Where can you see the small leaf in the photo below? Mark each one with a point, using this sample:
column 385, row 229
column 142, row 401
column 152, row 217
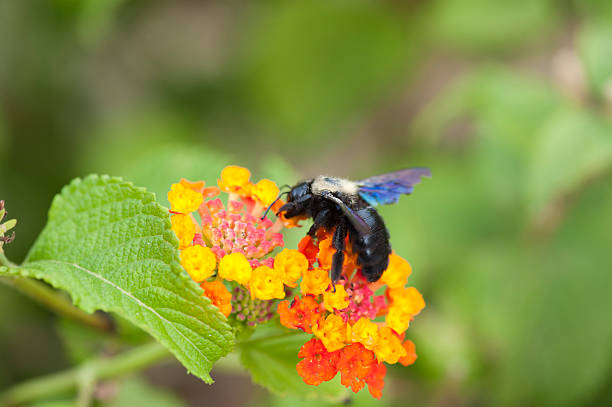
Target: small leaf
column 109, row 244
column 271, row 357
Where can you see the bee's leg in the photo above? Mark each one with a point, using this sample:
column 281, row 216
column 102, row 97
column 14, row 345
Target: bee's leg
column 318, row 221
column 338, row 257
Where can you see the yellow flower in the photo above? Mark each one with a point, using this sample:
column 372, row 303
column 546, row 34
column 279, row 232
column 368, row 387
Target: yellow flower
column 331, row 331
column 199, row 261
column 389, row 347
column 266, row 284
column 365, row 332
column 184, row 229
column 265, row 191
column 290, row 264
column 335, row 300
column 398, row 319
column 235, row 179
column 315, row 281
column 196, row 186
column 184, row 200
column 408, row 299
column 235, row 267
column 396, row 274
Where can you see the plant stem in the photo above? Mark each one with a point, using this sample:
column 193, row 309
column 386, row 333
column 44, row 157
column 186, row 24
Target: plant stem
column 56, row 301
column 51, row 298
column 100, row 369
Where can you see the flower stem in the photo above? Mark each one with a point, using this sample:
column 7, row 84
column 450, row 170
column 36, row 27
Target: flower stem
column 100, row 369
column 52, row 299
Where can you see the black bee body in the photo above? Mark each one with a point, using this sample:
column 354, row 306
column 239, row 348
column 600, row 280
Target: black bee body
column 335, row 202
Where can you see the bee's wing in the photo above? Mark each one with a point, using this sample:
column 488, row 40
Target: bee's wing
column 387, row 188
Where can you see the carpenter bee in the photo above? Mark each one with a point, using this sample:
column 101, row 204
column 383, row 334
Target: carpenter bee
column 349, row 207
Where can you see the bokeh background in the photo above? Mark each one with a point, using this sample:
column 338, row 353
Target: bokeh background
column 508, row 102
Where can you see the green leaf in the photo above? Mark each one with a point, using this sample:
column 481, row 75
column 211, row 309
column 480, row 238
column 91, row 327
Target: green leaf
column 594, row 46
column 305, row 81
column 571, row 148
column 489, row 25
column 110, row 245
column 270, row 355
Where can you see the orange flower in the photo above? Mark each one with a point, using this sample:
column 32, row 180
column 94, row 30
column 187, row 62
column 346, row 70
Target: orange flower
column 301, row 314
column 411, row 355
column 331, row 331
column 318, row 365
column 291, row 264
column 376, row 379
column 219, row 295
column 397, row 273
column 315, row 281
column 354, row 365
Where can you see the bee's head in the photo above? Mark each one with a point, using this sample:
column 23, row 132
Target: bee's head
column 299, row 190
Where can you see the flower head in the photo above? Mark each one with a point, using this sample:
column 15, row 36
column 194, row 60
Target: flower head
column 219, row 295
column 235, row 267
column 232, row 243
column 331, row 331
column 303, row 313
column 291, row 264
column 266, row 284
column 199, row 262
column 184, row 199
column 319, row 365
column 315, row 281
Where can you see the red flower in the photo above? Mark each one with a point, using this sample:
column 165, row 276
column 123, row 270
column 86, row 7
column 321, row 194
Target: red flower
column 376, row 379
column 318, row 365
column 308, row 249
column 354, row 365
column 302, row 314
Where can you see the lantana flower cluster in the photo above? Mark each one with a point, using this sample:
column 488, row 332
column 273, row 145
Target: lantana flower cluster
column 358, row 327
column 226, row 247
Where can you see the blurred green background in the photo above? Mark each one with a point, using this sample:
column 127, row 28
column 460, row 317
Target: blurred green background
column 509, row 103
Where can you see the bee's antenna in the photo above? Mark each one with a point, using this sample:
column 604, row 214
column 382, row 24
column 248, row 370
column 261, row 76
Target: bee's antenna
column 272, row 204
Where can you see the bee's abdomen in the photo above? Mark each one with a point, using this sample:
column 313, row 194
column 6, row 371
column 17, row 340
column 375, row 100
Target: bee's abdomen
column 373, row 248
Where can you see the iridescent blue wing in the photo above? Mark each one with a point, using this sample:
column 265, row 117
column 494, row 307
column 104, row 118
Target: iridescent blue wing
column 386, row 188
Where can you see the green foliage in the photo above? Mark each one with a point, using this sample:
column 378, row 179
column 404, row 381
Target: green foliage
column 594, row 46
column 135, row 391
column 109, row 244
column 489, row 25
column 303, row 80
column 571, row 148
column 270, row 355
